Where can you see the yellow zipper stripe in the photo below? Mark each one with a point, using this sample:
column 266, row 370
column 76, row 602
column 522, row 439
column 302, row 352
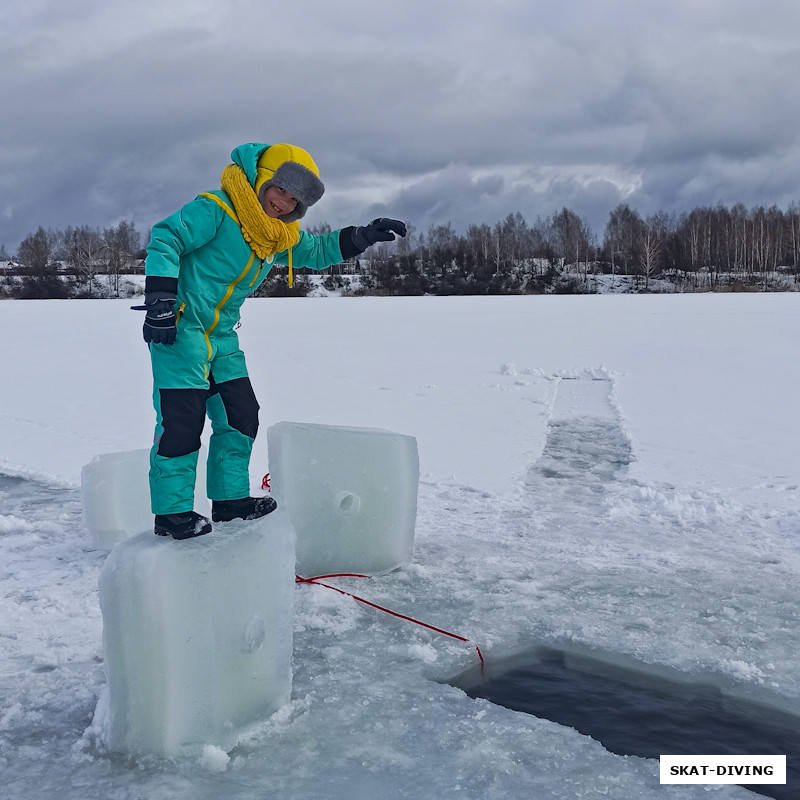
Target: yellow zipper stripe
column 225, row 298
column 223, row 205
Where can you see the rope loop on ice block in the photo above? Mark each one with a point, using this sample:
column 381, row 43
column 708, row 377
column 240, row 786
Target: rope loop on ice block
column 317, row 581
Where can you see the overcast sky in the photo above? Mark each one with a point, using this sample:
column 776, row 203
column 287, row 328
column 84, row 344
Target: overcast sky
column 434, row 111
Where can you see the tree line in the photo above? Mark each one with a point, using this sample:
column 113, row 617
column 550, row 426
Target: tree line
column 708, row 248
column 68, row 263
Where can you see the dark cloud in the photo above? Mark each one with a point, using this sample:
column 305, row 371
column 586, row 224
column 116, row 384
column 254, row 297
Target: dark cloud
column 449, row 111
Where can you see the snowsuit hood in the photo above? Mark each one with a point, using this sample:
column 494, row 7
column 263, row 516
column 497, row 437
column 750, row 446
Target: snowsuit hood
column 284, row 165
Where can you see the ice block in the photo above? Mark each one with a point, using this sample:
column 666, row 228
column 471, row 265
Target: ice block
column 116, row 495
column 197, row 636
column 351, row 494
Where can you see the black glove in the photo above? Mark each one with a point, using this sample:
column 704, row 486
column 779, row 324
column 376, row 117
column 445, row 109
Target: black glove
column 159, row 324
column 382, row 229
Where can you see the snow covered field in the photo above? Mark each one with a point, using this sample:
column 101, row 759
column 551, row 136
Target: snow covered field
column 620, row 472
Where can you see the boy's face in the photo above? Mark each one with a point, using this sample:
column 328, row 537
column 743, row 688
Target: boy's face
column 278, row 202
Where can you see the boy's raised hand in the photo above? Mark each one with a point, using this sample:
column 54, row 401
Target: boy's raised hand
column 382, row 229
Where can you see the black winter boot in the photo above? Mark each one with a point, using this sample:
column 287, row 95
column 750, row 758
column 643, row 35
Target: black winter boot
column 246, row 508
column 182, row 526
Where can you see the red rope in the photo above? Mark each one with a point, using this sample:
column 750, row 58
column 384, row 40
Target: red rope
column 317, row 582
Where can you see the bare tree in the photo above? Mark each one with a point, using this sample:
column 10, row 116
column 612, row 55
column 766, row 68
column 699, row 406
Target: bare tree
column 620, row 237
column 651, row 239
column 738, row 216
column 479, row 244
column 572, row 237
column 83, row 248
column 793, row 238
column 36, row 254
column 442, row 247
column 36, row 250
column 766, row 235
column 121, row 244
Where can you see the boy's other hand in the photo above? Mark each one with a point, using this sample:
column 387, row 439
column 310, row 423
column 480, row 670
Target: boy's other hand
column 161, row 319
column 382, row 229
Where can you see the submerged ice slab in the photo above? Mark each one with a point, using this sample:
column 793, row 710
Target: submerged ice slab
column 351, row 494
column 116, row 495
column 197, row 636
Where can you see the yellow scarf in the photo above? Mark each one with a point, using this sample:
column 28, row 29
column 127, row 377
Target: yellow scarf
column 265, row 235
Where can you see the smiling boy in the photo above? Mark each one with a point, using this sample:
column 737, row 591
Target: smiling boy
column 278, row 202
column 202, row 261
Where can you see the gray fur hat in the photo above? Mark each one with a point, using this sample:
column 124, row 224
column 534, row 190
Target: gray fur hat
column 292, row 169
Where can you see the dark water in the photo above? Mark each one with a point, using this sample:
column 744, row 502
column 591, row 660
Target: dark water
column 32, row 499
column 635, row 713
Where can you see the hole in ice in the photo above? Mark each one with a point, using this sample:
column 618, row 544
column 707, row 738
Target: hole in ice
column 639, row 710
column 33, row 499
column 349, row 503
column 9, row 482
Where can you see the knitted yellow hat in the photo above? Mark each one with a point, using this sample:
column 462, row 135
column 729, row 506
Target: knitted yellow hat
column 293, row 169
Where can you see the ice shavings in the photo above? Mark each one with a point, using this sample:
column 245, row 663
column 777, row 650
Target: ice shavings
column 214, row 758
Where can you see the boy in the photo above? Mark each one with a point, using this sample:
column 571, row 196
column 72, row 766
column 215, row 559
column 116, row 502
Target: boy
column 202, row 261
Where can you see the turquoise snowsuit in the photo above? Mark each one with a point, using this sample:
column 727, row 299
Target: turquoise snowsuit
column 199, row 252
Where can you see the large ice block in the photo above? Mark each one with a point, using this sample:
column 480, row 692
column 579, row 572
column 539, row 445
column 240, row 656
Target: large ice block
column 197, row 636
column 351, row 494
column 116, row 495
